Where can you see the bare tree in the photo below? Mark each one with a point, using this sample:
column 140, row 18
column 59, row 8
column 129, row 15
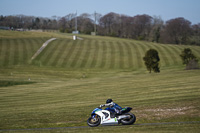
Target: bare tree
column 126, row 26
column 195, row 38
column 96, row 19
column 177, row 31
column 110, row 24
column 141, row 26
column 85, row 23
column 157, row 25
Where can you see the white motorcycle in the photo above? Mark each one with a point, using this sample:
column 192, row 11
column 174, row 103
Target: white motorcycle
column 109, row 117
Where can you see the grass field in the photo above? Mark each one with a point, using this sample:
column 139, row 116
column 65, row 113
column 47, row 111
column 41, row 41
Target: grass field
column 71, row 78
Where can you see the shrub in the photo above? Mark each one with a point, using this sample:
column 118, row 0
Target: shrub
column 189, row 59
column 152, row 60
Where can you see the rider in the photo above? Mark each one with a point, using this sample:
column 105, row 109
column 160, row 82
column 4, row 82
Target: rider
column 112, row 105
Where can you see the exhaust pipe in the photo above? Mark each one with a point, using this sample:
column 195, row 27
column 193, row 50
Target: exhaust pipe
column 123, row 117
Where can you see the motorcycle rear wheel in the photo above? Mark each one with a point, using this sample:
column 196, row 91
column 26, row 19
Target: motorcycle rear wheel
column 93, row 122
column 129, row 121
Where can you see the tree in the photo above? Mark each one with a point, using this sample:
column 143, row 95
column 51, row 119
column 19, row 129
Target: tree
column 195, row 39
column 177, row 31
column 157, row 25
column 126, row 26
column 110, row 24
column 189, row 59
column 141, row 27
column 152, row 60
column 85, row 23
column 96, row 19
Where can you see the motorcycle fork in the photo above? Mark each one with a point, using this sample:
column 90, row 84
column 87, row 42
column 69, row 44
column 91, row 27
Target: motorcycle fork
column 94, row 117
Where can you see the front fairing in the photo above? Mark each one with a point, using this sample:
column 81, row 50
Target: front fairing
column 95, row 110
column 104, row 116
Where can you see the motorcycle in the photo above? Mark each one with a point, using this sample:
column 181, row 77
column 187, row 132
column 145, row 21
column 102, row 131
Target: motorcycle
column 109, row 117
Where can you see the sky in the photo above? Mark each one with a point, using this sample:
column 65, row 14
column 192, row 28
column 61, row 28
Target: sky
column 166, row 9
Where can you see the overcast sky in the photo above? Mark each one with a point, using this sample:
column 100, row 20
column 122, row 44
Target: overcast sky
column 166, row 9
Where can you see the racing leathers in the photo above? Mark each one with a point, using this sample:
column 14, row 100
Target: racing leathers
column 113, row 106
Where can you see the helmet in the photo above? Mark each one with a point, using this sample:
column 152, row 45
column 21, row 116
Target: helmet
column 109, row 101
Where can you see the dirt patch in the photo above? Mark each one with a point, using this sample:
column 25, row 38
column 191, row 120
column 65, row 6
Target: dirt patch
column 163, row 113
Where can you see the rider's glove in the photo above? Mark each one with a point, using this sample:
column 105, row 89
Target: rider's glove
column 101, row 106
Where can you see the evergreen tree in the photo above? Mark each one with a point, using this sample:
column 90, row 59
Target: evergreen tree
column 152, row 60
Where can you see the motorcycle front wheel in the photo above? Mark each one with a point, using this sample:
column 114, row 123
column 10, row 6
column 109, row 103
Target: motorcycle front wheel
column 129, row 121
column 93, row 122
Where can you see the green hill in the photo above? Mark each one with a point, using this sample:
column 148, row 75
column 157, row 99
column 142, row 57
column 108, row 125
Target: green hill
column 89, row 53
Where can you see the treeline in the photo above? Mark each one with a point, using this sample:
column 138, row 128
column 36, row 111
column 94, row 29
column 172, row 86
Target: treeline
column 139, row 27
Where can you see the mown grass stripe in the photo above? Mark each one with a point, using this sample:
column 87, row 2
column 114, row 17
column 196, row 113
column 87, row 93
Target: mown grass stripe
column 54, row 49
column 67, row 43
column 130, row 54
column 135, row 55
column 69, row 54
column 176, row 52
column 58, row 51
column 117, row 55
column 86, row 55
column 77, row 53
column 74, row 57
column 25, row 51
column 95, row 57
column 3, row 51
column 139, row 55
column 104, row 54
column 30, row 45
column 7, row 54
column 100, row 54
column 1, row 44
column 12, row 51
column 170, row 55
column 91, row 54
column 50, row 51
column 16, row 51
column 20, row 49
column 81, row 52
column 108, row 55
column 36, row 44
column 142, row 47
column 112, row 58
column 165, row 55
column 126, row 55
column 146, row 46
column 121, row 53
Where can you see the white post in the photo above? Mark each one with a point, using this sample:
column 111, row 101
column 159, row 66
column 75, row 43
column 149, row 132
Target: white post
column 74, row 37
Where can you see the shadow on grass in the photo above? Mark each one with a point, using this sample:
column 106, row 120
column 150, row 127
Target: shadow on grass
column 12, row 83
